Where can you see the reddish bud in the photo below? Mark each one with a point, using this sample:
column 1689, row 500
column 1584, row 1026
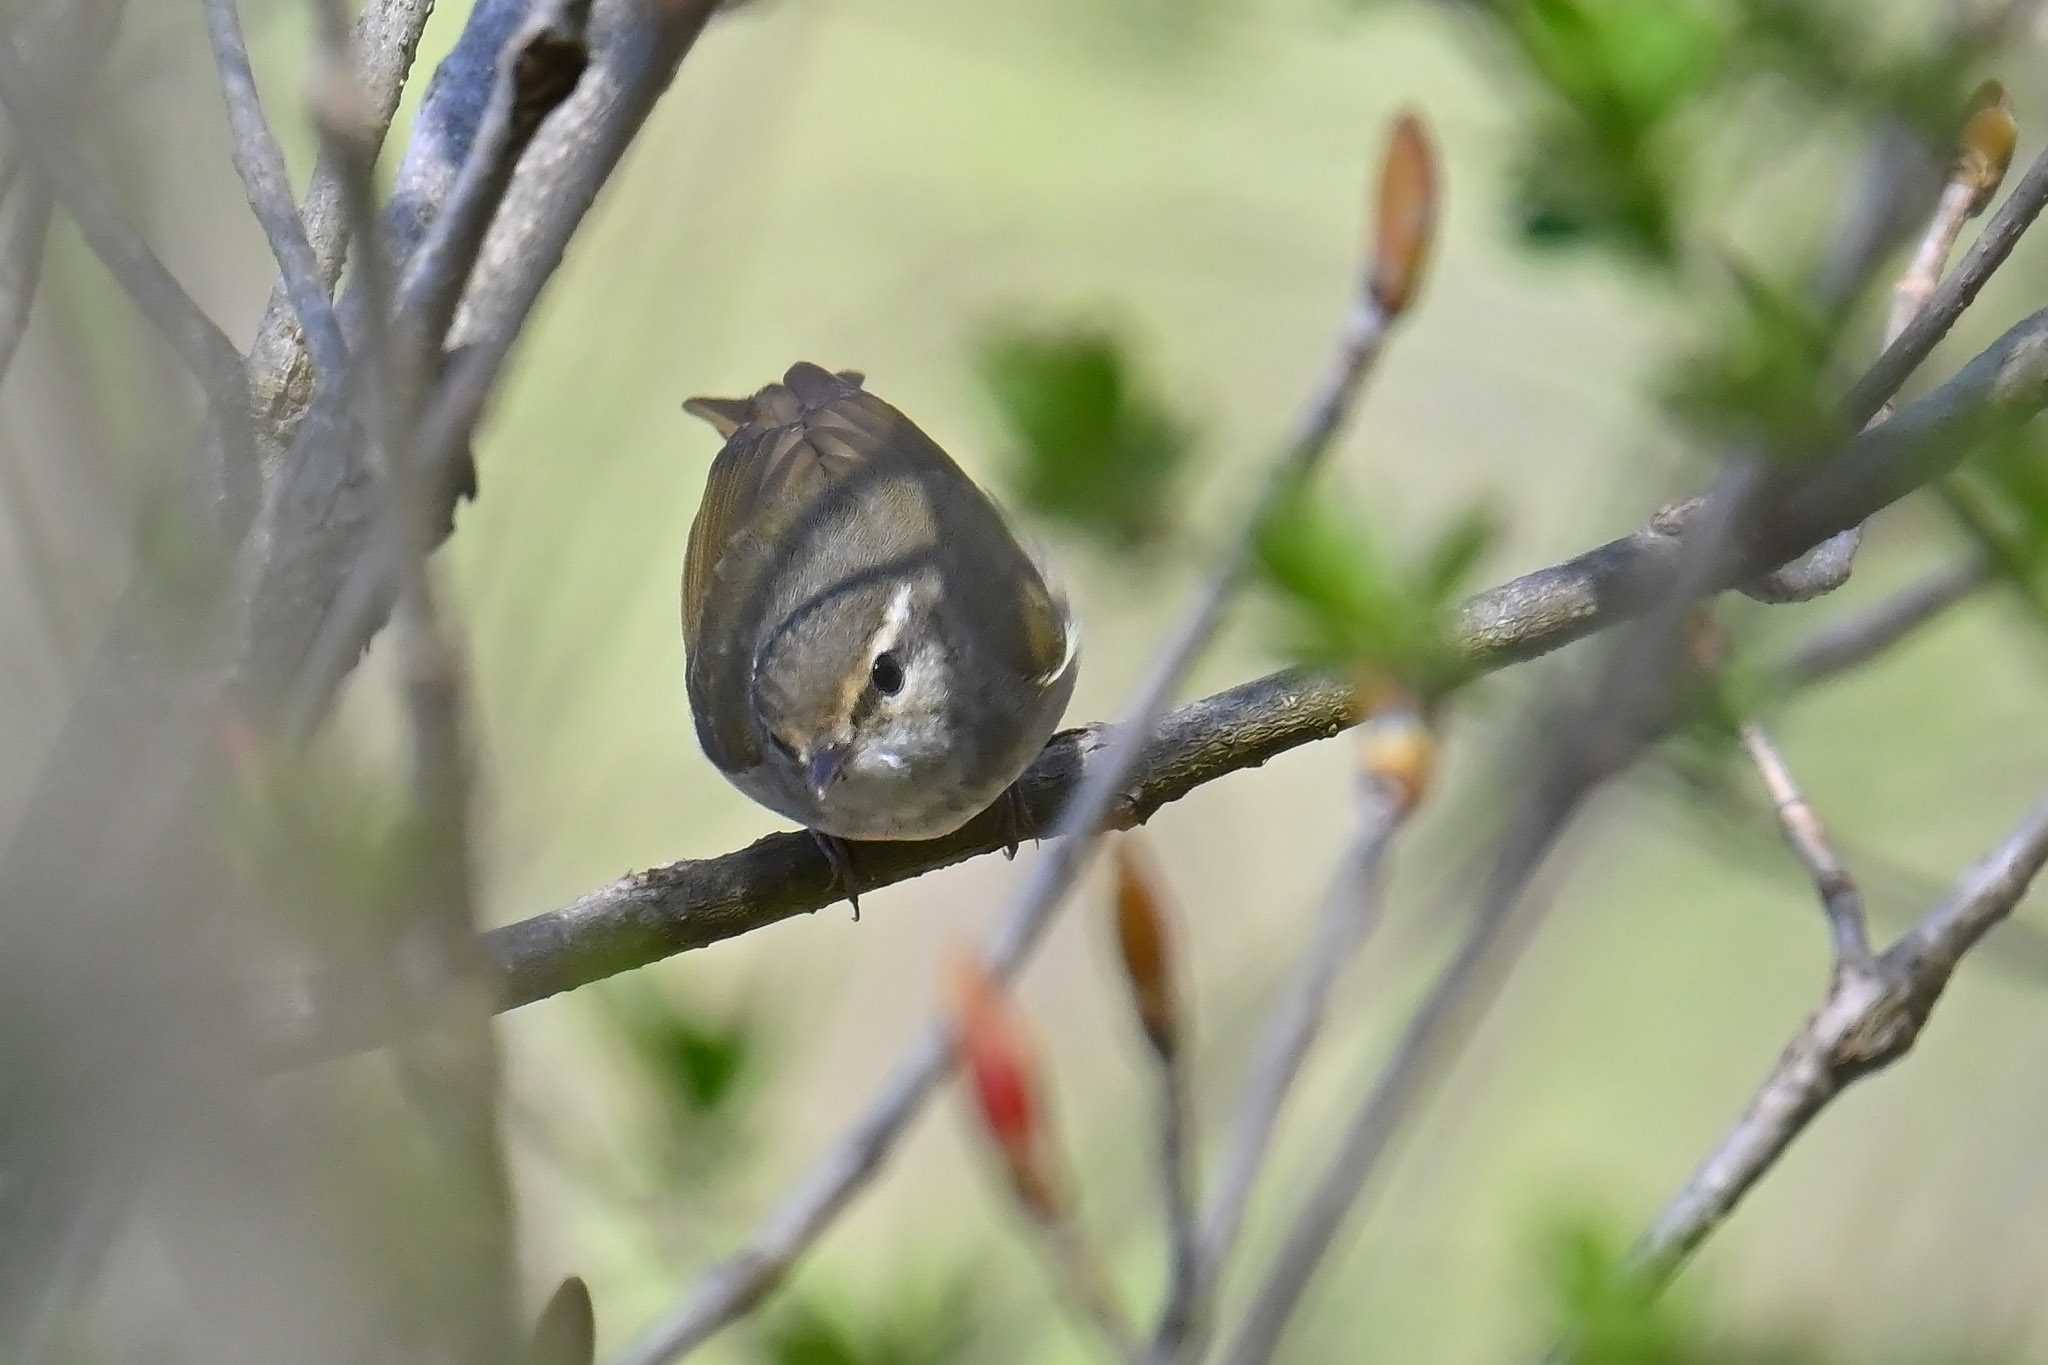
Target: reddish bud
column 1144, row 935
column 1405, row 215
column 1002, row 1076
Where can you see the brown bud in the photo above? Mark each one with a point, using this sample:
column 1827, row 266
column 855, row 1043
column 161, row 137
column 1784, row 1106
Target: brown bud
column 1144, row 934
column 1002, row 1076
column 1406, row 215
column 1985, row 149
column 1396, row 750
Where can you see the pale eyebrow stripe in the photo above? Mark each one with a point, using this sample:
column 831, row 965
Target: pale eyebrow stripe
column 894, row 618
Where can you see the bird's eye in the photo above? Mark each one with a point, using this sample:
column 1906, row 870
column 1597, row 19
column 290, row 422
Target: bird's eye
column 887, row 674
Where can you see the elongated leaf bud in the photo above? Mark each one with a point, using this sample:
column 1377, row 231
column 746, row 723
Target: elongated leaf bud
column 1145, row 938
column 1001, row 1067
column 1405, row 215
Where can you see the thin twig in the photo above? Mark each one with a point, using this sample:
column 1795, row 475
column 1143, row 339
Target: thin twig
column 21, row 261
column 1808, row 839
column 259, row 161
column 537, row 71
column 1085, row 1283
column 1177, row 1196
column 203, row 348
column 1957, row 291
column 386, row 37
column 1916, row 286
column 1869, row 1019
column 731, row 1288
column 1435, row 1032
column 1350, row 912
column 1856, row 639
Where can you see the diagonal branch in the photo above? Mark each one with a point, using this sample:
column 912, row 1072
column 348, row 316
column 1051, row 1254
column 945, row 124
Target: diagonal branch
column 201, row 345
column 386, row 38
column 647, row 916
column 259, row 161
column 1871, row 1016
column 1351, row 911
column 322, row 509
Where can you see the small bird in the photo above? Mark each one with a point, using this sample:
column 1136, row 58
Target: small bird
column 869, row 651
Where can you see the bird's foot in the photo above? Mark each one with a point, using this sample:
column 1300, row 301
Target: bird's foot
column 1013, row 818
column 839, row 853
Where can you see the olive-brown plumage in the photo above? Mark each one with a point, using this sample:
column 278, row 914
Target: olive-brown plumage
column 869, row 650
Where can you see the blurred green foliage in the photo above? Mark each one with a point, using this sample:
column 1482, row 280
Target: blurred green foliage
column 1611, row 1317
column 704, row 1067
column 1348, row 601
column 911, row 1322
column 2000, row 499
column 1599, row 163
column 1629, row 91
column 1760, row 380
column 1091, row 446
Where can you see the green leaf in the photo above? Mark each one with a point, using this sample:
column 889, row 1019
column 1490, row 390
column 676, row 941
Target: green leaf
column 1348, row 602
column 1090, row 446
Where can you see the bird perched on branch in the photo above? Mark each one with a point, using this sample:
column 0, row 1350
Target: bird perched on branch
column 869, row 650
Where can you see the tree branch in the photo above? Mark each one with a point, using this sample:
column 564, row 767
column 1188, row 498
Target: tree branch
column 1809, row 842
column 650, row 915
column 1855, row 640
column 203, row 348
column 1350, row 913
column 322, row 512
column 259, row 161
column 1871, row 1016
column 387, row 36
column 539, row 68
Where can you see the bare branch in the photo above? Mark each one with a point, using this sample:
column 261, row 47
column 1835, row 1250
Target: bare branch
column 70, row 40
column 259, row 161
column 538, row 70
column 202, row 346
column 1147, row 942
column 1955, row 294
column 323, row 510
column 24, row 226
column 1870, row 1018
column 1350, row 913
column 387, row 35
column 1855, row 640
column 1809, row 842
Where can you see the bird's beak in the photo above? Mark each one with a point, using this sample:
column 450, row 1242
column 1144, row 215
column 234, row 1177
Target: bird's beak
column 827, row 764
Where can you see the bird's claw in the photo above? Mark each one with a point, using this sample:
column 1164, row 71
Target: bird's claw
column 1014, row 820
column 839, row 853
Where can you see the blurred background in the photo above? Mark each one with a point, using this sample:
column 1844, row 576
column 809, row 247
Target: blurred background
column 885, row 185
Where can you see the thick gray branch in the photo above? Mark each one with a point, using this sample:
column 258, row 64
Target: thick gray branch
column 323, row 513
